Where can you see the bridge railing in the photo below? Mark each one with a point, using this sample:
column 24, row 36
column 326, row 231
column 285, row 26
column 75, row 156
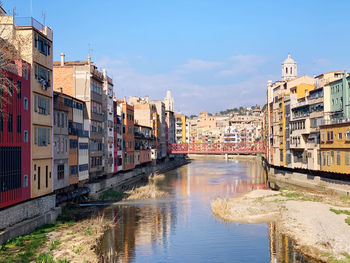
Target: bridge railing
column 243, row 147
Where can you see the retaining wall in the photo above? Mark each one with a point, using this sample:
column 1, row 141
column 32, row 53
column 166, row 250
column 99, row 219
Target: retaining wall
column 97, row 188
column 278, row 178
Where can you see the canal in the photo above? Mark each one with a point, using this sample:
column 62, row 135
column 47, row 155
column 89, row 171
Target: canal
column 182, row 228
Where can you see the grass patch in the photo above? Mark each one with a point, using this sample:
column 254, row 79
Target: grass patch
column 54, row 244
column 78, row 249
column 110, row 194
column 346, row 259
column 344, row 212
column 338, row 211
column 45, row 258
column 24, row 248
column 293, row 195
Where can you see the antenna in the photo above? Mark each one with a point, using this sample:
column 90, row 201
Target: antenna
column 44, row 16
column 90, row 50
column 14, row 12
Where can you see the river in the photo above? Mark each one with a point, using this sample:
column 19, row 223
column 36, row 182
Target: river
column 182, row 228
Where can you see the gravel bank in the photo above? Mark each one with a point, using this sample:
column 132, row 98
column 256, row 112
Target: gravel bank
column 317, row 223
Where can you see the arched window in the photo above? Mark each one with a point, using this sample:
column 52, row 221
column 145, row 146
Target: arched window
column 291, row 72
column 286, row 70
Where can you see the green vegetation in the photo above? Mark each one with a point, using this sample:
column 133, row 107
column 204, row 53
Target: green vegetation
column 338, row 211
column 289, row 195
column 346, row 259
column 110, row 194
column 78, row 249
column 54, row 244
column 24, row 248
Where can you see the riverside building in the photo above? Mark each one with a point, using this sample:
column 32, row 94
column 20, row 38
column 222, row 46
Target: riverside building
column 82, row 80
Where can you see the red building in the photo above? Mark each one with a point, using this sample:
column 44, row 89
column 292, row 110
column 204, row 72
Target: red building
column 15, row 135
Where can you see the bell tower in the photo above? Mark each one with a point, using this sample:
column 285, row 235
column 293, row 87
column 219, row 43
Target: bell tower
column 289, row 69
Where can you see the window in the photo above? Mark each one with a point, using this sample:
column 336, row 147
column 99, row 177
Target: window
column 39, row 177
column 25, row 136
column 10, row 123
column 340, row 136
column 25, row 103
column 47, row 176
column 42, row 136
column 18, row 123
column 73, row 144
column 19, row 89
column 60, row 172
column 1, row 123
column 41, row 105
column 42, row 45
column 25, row 181
column 338, row 157
column 346, row 158
column 73, row 170
column 83, row 167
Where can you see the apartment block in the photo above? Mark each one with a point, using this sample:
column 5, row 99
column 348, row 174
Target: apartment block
column 169, row 119
column 34, row 44
column 128, row 137
column 82, row 80
column 118, row 136
column 144, row 142
column 335, row 151
column 60, row 142
column 108, row 118
column 180, row 128
column 15, row 134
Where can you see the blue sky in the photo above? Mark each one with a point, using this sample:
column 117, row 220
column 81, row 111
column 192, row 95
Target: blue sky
column 211, row 54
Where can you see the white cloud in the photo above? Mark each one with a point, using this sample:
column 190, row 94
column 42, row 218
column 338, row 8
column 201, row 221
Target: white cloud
column 242, row 64
column 190, row 96
column 198, row 65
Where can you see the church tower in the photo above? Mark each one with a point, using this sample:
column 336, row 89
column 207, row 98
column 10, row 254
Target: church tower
column 289, row 69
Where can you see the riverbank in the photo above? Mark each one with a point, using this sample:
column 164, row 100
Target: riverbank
column 71, row 239
column 318, row 223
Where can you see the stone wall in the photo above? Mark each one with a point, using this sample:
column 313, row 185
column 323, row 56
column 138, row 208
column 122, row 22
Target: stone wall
column 96, row 188
column 27, row 210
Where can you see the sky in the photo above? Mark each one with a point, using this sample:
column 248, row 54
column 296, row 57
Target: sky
column 211, row 54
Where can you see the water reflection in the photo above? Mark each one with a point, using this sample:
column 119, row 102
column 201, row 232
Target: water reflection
column 282, row 247
column 181, row 227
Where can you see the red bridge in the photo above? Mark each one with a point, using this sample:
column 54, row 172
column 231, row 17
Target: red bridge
column 218, row 148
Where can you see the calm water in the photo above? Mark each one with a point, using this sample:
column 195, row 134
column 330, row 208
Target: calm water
column 182, row 228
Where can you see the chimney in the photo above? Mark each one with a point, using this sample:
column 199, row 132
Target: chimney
column 124, row 99
column 147, row 99
column 89, row 60
column 62, row 59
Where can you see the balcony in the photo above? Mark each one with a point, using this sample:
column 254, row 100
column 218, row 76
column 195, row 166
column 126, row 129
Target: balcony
column 31, row 22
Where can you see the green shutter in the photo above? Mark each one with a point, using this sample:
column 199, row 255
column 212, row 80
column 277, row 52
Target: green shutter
column 48, row 135
column 36, row 135
column 48, row 106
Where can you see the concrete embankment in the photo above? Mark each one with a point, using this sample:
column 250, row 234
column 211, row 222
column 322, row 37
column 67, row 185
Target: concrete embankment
column 122, row 181
column 24, row 218
column 279, row 178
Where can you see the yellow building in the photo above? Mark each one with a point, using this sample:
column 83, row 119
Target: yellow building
column 33, row 42
column 180, row 128
column 335, row 150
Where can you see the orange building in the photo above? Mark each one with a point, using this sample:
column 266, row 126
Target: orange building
column 128, row 137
